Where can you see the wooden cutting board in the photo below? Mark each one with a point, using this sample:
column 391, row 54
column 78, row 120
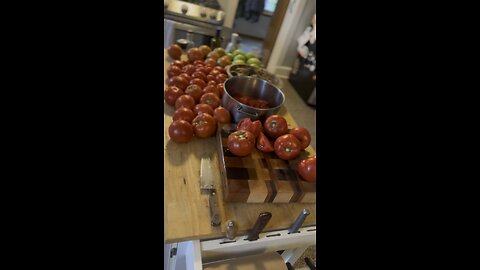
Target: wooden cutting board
column 261, row 177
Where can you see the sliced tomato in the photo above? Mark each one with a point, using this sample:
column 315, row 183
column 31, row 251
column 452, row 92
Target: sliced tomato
column 263, row 144
column 254, row 127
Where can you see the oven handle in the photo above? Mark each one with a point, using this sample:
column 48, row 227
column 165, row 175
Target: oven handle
column 195, row 29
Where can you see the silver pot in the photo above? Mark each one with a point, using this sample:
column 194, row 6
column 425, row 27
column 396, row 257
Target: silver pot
column 255, row 88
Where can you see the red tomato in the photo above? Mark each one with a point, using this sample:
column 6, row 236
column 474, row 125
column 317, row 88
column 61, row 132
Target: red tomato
column 214, row 83
column 243, row 99
column 183, row 113
column 210, row 62
column 210, row 99
column 302, row 135
column 189, row 69
column 253, row 103
column 211, row 89
column 287, row 147
column 241, row 143
column 208, row 69
column 179, row 82
column 275, row 126
column 196, row 62
column 307, row 169
column 185, row 62
column 220, row 68
column 215, row 72
column 211, row 78
column 203, row 108
column 171, row 95
column 180, row 131
column 186, row 76
column 185, row 101
column 204, row 125
column 177, row 63
column 221, row 78
column 173, row 71
column 220, row 89
column 263, row 144
column 195, row 91
column 222, row 115
column 254, row 127
column 263, row 104
column 198, row 82
column 200, row 75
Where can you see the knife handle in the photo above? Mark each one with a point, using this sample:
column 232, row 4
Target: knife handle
column 214, row 209
column 298, row 223
column 262, row 221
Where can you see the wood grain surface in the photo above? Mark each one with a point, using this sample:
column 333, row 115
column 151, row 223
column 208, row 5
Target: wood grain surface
column 186, row 210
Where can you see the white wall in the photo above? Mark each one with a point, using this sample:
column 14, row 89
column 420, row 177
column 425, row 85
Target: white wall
column 230, row 9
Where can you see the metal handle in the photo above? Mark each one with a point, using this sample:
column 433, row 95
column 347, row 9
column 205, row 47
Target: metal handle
column 262, row 221
column 239, row 109
column 214, row 210
column 300, row 219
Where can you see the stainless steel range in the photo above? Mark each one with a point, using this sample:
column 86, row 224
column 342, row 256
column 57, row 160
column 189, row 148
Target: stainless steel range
column 202, row 18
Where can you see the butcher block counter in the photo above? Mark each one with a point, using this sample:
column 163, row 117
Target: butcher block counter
column 186, row 210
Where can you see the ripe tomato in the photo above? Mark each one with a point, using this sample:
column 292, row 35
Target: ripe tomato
column 200, row 75
column 210, row 62
column 211, row 78
column 195, row 91
column 276, row 126
column 240, row 143
column 263, row 104
column 183, row 113
column 177, row 63
column 263, row 144
column 179, row 82
column 210, row 99
column 208, row 69
column 253, row 103
column 173, row 71
column 201, row 69
column 185, row 101
column 307, row 169
column 189, row 69
column 180, row 131
column 287, row 147
column 243, row 99
column 302, row 135
column 171, row 95
column 220, row 68
column 211, row 89
column 221, row 78
column 222, row 115
column 215, row 72
column 198, row 82
column 220, row 89
column 202, row 108
column 186, row 76
column 196, row 62
column 204, row 125
column 254, row 127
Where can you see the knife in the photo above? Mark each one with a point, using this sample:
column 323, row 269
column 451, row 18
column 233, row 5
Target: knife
column 207, row 183
column 300, row 219
column 262, row 221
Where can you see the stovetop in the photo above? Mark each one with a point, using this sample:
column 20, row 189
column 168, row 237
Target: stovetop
column 194, row 10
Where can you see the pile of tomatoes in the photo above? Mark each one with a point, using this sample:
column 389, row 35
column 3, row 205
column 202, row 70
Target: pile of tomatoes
column 195, row 88
column 287, row 143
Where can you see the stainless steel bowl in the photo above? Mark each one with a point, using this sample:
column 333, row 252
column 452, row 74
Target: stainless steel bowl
column 246, row 70
column 255, row 88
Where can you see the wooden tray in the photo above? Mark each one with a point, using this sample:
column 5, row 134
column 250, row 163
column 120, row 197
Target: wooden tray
column 260, row 177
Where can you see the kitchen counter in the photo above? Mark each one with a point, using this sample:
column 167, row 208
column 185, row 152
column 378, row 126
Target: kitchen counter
column 187, row 214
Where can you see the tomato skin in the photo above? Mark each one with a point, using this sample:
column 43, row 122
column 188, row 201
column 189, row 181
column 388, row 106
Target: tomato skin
column 302, row 135
column 200, row 75
column 210, row 62
column 307, row 169
column 179, row 82
column 275, row 126
column 215, row 72
column 263, row 144
column 211, row 99
column 177, row 63
column 186, row 76
column 198, row 82
column 243, row 99
column 171, row 95
column 180, row 131
column 220, row 69
column 183, row 113
column 204, row 125
column 197, row 62
column 240, row 143
column 211, row 89
column 208, row 69
column 194, row 91
column 220, row 89
column 287, row 147
column 222, row 115
column 173, row 71
column 185, row 101
column 189, row 69
column 202, row 108
column 211, row 78
column 221, row 78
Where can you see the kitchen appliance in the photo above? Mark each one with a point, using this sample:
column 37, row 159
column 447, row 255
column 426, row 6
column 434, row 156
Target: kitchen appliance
column 200, row 17
column 254, row 88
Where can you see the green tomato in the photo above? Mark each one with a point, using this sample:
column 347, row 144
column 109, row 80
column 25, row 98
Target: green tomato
column 220, row 51
column 250, row 55
column 253, row 61
column 238, row 62
column 239, row 57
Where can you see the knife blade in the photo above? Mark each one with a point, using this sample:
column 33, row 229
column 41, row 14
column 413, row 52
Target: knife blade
column 262, row 221
column 207, row 183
